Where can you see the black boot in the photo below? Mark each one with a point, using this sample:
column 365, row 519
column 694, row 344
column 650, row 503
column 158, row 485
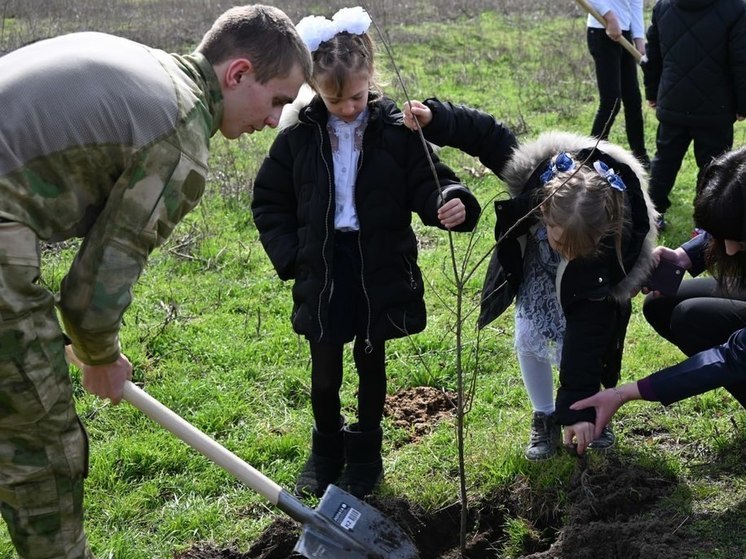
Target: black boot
column 324, row 465
column 364, row 468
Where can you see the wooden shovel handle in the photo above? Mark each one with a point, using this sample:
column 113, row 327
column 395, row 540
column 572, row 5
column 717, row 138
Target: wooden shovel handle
column 201, row 442
column 629, row 47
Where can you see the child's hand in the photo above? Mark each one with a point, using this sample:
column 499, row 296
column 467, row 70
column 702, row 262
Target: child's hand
column 579, row 435
column 417, row 110
column 452, row 213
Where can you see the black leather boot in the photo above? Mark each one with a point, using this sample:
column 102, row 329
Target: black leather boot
column 364, row 467
column 324, row 465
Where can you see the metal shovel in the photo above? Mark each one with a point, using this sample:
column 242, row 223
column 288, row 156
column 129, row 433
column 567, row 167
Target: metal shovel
column 341, row 527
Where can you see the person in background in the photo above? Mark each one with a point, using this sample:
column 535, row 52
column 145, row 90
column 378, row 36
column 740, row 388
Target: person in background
column 720, row 210
column 104, row 139
column 616, row 70
column 695, row 78
column 702, row 314
column 333, row 203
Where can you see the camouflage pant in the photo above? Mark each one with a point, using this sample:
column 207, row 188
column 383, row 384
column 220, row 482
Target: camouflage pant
column 43, row 446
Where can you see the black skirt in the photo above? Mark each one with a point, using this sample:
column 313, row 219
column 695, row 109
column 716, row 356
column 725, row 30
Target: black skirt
column 348, row 307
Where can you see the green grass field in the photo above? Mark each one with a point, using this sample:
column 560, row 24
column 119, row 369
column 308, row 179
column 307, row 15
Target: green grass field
column 209, row 335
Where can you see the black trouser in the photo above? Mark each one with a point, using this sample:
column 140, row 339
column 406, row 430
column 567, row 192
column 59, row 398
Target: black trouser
column 348, row 312
column 672, row 143
column 326, row 380
column 697, row 318
column 616, row 77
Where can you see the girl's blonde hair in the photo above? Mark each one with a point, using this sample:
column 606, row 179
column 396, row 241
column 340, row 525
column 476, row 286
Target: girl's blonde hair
column 342, row 56
column 588, row 209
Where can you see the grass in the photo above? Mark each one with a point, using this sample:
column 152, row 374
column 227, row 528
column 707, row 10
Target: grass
column 209, row 335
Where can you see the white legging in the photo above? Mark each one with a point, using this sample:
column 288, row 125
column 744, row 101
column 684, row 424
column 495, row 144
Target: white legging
column 539, row 382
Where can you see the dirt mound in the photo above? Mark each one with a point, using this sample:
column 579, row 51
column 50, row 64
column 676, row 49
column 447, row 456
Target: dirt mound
column 417, row 410
column 619, row 511
column 614, row 509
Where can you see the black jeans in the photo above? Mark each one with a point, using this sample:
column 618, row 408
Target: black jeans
column 616, row 77
column 699, row 317
column 672, row 143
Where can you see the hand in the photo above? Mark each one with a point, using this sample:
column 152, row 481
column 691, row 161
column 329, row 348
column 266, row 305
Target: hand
column 452, row 213
column 419, row 111
column 606, row 403
column 613, row 29
column 677, row 256
column 71, row 358
column 640, row 45
column 107, row 381
column 580, row 435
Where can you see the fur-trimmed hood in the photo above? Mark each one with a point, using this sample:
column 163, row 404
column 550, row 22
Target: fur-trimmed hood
column 291, row 111
column 528, row 157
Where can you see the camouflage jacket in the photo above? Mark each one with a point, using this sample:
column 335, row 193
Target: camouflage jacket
column 106, row 139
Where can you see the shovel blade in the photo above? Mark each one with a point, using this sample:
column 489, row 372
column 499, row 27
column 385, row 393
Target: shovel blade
column 347, row 528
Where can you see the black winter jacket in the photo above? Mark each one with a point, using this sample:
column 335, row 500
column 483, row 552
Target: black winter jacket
column 293, row 209
column 594, row 293
column 696, row 68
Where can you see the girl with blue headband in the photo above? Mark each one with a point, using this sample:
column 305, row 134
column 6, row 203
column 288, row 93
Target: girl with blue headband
column 573, row 244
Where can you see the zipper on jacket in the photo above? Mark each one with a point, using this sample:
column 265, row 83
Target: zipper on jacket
column 410, row 273
column 326, row 231
column 368, row 343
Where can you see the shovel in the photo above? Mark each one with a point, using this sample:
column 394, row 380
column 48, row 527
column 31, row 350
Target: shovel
column 341, row 527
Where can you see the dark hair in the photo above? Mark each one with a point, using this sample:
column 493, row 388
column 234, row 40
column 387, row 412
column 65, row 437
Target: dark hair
column 264, row 35
column 345, row 54
column 720, row 209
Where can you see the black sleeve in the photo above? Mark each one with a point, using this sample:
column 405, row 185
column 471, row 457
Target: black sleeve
column 695, row 249
column 737, row 60
column 274, row 207
column 591, row 354
column 653, row 67
column 473, row 209
column 472, row 131
column 721, row 366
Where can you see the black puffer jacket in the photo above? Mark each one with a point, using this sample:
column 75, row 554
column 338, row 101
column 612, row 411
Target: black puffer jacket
column 472, row 131
column 696, row 69
column 594, row 292
column 293, row 209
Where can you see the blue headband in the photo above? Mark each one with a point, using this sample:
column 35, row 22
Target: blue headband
column 562, row 162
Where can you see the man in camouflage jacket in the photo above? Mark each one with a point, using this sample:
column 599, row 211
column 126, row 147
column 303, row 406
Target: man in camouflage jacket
column 105, row 139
